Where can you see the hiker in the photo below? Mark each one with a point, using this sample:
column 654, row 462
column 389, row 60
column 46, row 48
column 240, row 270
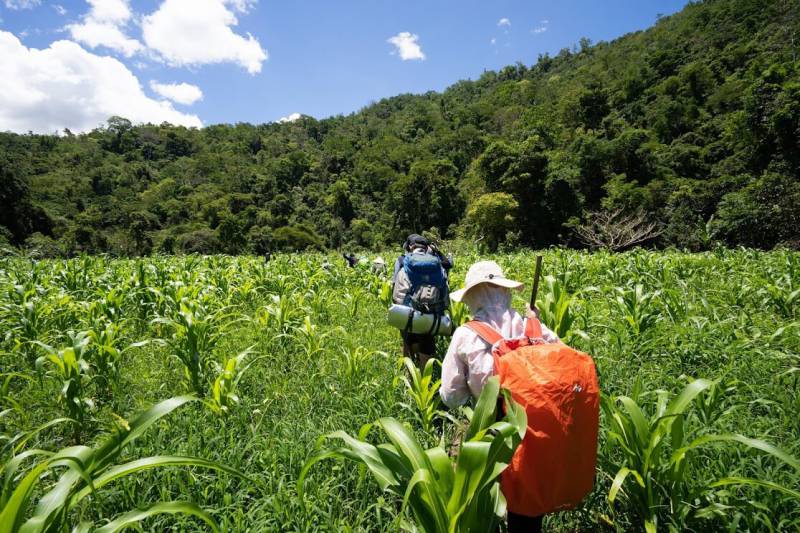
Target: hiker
column 468, row 362
column 419, row 281
column 568, row 385
column 351, row 259
column 379, row 266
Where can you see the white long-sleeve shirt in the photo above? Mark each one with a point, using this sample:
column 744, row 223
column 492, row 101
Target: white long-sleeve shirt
column 468, row 363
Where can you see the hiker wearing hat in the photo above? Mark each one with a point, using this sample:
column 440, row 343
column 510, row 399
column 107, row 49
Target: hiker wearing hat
column 469, row 362
column 379, row 266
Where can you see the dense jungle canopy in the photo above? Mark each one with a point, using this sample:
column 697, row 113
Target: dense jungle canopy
column 694, row 122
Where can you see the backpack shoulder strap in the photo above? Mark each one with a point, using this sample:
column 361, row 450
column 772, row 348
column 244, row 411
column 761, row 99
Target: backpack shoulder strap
column 533, row 328
column 484, row 331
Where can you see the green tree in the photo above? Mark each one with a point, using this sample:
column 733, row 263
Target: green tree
column 490, row 218
column 231, row 234
column 763, row 214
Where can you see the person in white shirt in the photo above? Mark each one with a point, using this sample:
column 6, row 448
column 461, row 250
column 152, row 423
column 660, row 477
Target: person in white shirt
column 469, row 362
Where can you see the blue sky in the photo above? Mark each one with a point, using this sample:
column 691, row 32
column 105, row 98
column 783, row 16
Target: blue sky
column 318, row 58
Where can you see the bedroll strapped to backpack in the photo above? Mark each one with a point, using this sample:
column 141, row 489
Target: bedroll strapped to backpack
column 554, row 467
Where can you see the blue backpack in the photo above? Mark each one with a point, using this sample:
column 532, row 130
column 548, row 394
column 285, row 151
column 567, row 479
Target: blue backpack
column 428, row 291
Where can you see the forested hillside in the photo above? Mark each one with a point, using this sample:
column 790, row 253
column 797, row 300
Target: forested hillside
column 694, row 122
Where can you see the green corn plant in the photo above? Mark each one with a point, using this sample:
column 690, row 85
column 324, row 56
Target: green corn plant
column 784, row 297
column 784, row 293
column 424, row 392
column 80, row 472
column 75, row 276
column 308, row 337
column 196, row 331
column 65, row 314
column 637, row 308
column 654, row 472
column 281, row 314
column 444, row 494
column 26, row 319
column 7, row 399
column 353, row 360
column 318, row 300
column 105, row 354
column 554, row 307
column 14, row 443
column 676, row 304
column 108, row 306
column 223, row 397
column 69, row 366
column 141, row 295
column 174, row 293
column 352, row 301
column 385, row 293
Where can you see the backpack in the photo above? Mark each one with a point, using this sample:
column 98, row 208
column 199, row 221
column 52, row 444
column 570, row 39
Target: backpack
column 553, row 468
column 422, row 284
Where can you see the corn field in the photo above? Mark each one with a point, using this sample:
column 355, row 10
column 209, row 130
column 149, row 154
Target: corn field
column 226, row 393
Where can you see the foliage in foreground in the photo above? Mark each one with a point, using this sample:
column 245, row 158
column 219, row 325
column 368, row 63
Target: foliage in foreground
column 78, row 472
column 658, row 452
column 446, row 495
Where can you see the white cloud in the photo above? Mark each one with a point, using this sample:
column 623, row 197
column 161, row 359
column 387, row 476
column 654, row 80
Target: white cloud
column 22, row 4
column 505, row 21
column 104, row 26
column 242, row 6
column 407, row 46
column 61, row 10
column 65, row 86
column 180, row 93
column 493, row 41
column 542, row 27
column 114, row 11
column 290, row 118
column 198, row 32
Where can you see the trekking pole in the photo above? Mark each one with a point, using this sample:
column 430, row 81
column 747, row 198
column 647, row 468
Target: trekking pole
column 536, row 276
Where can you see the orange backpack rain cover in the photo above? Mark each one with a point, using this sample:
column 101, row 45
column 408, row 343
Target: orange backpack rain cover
column 553, row 469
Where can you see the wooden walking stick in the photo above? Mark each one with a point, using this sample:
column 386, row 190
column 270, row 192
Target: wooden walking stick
column 535, row 290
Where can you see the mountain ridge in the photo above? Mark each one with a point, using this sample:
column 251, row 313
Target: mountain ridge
column 694, row 122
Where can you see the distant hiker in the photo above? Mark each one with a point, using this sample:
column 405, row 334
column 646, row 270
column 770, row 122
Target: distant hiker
column 379, row 266
column 554, row 466
column 351, row 259
column 267, row 257
column 420, row 284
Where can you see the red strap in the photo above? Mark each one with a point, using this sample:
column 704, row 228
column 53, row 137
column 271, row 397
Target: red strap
column 484, row 331
column 533, row 328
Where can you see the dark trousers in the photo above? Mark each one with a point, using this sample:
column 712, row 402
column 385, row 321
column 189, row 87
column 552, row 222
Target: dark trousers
column 518, row 523
column 419, row 348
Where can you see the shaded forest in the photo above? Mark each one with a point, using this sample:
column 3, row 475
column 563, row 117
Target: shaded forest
column 693, row 124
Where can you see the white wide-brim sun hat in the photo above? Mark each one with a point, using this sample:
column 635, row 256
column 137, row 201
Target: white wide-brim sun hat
column 485, row 272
